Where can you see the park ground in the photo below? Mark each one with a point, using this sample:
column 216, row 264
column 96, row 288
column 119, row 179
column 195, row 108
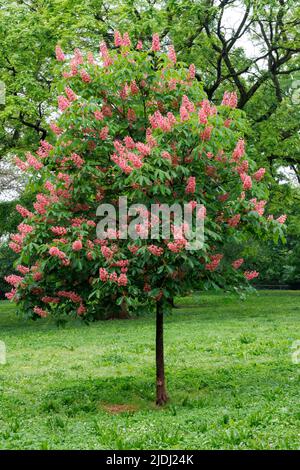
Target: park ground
column 231, row 378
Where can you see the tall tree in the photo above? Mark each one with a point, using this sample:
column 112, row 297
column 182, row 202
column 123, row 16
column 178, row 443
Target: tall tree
column 136, row 124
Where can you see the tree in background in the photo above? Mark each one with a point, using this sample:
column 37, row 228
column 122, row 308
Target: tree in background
column 135, row 123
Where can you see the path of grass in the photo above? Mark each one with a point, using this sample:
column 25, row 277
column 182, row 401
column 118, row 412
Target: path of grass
column 230, row 377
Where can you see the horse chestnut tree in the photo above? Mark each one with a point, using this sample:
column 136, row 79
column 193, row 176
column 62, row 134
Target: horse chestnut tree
column 135, row 124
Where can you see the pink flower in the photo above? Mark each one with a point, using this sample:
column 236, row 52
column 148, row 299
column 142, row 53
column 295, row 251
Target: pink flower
column 134, row 88
column 177, row 245
column 155, row 43
column 259, row 174
column 259, row 206
column 59, row 230
column 37, row 276
column 77, row 160
column 122, row 280
column 192, row 72
column 50, row 300
column 78, row 57
column 77, row 245
column 98, row 115
column 49, row 186
column 81, row 309
column 247, row 182
column 131, row 116
column 113, row 277
column 139, row 45
column 14, row 280
column 158, row 121
column 70, row 295
column 60, row 56
column 107, row 61
column 214, row 262
column 223, row 197
column 63, row 103
column 190, row 107
column 15, row 247
column 57, row 130
column 23, row 269
column 54, row 251
column 20, row 164
column 103, row 134
column 143, row 148
column 282, row 219
column 124, row 92
column 85, row 76
column 70, row 94
column 184, row 115
column 234, row 221
column 243, row 167
column 237, row 263
column 172, row 54
column 202, row 116
column 23, row 211
column 103, row 274
column 206, row 134
column 40, row 312
column 10, row 295
column 32, row 161
column 239, row 150
column 107, row 252
column 126, row 40
column 230, row 99
column 155, row 250
column 25, row 228
column 90, row 58
column 191, row 185
column 118, row 39
column 251, row 275
column 201, row 213
column 133, row 249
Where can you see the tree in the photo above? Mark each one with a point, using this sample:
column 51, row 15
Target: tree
column 135, row 124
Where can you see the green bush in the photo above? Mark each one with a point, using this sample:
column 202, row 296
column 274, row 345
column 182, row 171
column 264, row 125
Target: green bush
column 7, row 258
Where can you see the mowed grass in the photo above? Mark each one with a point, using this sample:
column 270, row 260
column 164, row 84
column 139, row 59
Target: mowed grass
column 231, row 379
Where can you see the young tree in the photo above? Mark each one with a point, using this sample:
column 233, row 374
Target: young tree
column 135, row 124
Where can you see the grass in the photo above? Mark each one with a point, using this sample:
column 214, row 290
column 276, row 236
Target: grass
column 230, row 375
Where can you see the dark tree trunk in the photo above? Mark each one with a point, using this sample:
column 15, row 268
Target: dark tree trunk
column 172, row 303
column 161, row 393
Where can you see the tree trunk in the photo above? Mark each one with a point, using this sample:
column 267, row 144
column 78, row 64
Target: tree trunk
column 161, row 393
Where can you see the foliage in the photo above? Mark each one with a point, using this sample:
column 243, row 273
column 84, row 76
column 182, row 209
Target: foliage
column 7, row 259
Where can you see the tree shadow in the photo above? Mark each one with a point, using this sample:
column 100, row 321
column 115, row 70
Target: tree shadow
column 95, row 394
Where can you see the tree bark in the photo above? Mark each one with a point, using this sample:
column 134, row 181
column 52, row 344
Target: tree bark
column 161, row 393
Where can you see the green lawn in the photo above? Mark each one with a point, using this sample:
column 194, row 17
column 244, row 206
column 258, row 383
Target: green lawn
column 230, row 375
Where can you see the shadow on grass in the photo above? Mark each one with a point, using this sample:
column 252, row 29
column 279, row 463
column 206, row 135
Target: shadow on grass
column 98, row 394
column 192, row 388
